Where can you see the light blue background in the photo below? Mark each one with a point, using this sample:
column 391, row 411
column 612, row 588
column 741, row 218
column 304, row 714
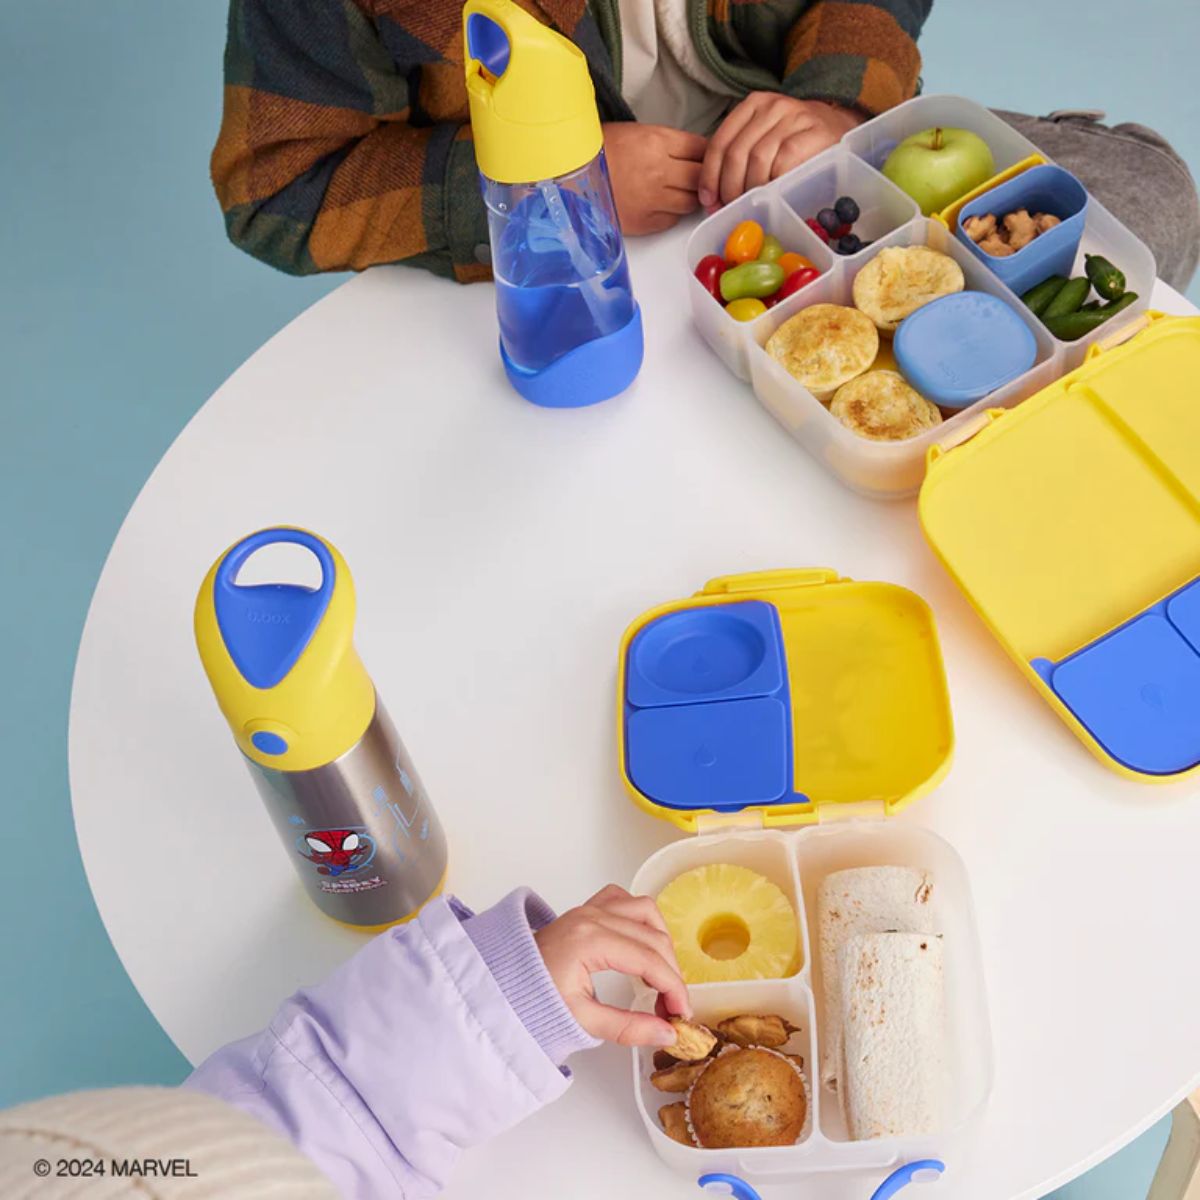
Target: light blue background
column 123, row 308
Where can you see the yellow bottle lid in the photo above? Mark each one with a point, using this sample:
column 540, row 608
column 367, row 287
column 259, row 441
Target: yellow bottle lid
column 533, row 106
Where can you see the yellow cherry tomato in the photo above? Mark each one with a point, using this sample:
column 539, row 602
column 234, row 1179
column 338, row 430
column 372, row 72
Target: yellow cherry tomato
column 744, row 243
column 745, row 309
column 793, row 262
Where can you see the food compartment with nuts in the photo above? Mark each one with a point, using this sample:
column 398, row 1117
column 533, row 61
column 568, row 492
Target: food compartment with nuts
column 941, row 156
column 857, row 673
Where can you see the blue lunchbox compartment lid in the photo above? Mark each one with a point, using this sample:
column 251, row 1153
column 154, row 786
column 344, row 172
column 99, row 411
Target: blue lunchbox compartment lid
column 959, row 348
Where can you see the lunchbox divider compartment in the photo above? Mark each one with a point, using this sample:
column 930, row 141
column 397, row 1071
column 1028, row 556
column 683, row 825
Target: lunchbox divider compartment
column 820, row 182
column 1044, row 188
column 796, row 408
column 713, row 1002
column 727, row 338
column 875, row 139
column 824, row 849
column 789, row 227
column 760, row 850
column 1103, row 234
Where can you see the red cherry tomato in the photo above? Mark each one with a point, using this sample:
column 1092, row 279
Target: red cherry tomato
column 795, row 281
column 709, row 270
column 815, row 226
column 745, row 242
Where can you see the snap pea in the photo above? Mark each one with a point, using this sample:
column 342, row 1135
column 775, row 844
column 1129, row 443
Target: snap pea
column 1070, row 326
column 1070, row 296
column 755, row 279
column 1041, row 294
column 1106, row 279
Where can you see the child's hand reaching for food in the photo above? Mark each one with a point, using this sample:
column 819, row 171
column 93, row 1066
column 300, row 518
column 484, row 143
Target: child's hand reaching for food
column 764, row 136
column 614, row 931
column 655, row 172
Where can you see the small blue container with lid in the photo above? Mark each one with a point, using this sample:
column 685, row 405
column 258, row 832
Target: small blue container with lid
column 959, row 348
column 1042, row 189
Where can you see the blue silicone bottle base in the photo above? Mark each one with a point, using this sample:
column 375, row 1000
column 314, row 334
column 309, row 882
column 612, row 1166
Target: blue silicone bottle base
column 595, row 371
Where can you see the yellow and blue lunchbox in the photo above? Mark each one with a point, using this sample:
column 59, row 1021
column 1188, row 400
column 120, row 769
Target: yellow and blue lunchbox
column 1072, row 525
column 784, row 717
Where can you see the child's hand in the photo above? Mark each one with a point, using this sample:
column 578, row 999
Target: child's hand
column 614, row 931
column 655, row 172
column 764, row 136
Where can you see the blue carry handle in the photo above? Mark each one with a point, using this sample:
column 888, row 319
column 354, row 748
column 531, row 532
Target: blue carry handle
column 728, row 1185
column 266, row 626
column 920, row 1171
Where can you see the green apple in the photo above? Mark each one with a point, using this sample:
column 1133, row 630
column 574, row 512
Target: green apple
column 937, row 166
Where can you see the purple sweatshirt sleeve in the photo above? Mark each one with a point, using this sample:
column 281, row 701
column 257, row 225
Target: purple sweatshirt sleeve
column 434, row 1037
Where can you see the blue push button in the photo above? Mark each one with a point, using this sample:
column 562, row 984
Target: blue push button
column 725, row 755
column 1138, row 692
column 268, row 743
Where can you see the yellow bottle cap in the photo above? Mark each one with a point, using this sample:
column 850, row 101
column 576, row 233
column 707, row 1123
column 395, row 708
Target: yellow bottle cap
column 533, row 106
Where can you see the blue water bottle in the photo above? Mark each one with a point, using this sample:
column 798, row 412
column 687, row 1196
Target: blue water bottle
column 570, row 329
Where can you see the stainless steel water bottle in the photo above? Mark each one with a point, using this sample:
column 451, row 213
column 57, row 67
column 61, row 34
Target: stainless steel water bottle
column 340, row 788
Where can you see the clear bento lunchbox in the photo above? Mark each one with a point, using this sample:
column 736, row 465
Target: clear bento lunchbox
column 760, row 715
column 889, row 217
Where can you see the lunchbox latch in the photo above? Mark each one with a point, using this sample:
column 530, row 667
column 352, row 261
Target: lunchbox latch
column 852, row 810
column 762, row 581
column 964, row 433
column 1127, row 331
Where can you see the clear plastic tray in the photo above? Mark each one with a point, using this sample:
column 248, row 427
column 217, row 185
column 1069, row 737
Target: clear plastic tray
column 889, row 217
column 797, row 862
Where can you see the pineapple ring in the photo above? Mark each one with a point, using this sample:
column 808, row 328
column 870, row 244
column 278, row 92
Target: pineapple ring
column 728, row 922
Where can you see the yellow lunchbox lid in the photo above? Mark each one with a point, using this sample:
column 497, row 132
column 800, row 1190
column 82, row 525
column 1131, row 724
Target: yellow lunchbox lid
column 774, row 697
column 1072, row 524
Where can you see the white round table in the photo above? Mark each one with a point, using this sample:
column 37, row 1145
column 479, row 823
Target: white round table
column 499, row 551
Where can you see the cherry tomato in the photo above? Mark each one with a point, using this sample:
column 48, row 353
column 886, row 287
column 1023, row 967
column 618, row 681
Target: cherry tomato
column 772, row 249
column 815, row 226
column 745, row 309
column 755, row 279
column 791, row 263
column 744, row 242
column 709, row 271
column 795, row 281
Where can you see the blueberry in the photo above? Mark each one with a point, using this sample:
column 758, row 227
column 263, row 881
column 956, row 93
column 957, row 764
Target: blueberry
column 828, row 220
column 850, row 244
column 846, row 210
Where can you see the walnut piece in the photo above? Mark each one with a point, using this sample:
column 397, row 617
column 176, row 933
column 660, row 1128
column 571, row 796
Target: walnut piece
column 980, row 227
column 677, row 1077
column 693, row 1041
column 674, row 1122
column 1021, row 229
column 767, row 1030
column 996, row 246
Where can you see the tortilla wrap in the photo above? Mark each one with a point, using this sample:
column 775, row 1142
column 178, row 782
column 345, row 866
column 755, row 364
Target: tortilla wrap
column 864, row 900
column 894, row 1044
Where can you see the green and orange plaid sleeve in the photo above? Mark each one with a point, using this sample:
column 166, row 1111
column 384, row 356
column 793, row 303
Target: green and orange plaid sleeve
column 344, row 139
column 858, row 53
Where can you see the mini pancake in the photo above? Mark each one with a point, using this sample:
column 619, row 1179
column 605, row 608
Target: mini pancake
column 824, row 346
column 881, row 406
column 899, row 279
